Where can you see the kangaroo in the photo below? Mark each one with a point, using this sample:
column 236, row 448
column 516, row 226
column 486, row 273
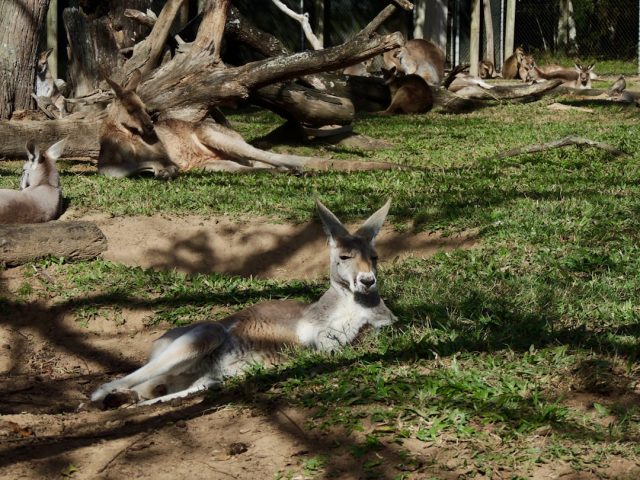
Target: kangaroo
column 39, row 198
column 580, row 77
column 617, row 92
column 359, row 69
column 510, row 69
column 418, row 57
column 46, row 85
column 486, row 70
column 409, row 93
column 130, row 142
column 526, row 68
column 190, row 359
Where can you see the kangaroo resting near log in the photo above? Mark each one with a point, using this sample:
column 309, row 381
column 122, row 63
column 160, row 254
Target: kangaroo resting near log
column 130, row 143
column 409, row 93
column 418, row 57
column 39, row 198
column 190, row 359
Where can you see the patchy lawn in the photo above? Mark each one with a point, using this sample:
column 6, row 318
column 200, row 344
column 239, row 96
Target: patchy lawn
column 516, row 358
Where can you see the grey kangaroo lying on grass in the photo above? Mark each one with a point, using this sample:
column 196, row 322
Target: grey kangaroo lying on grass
column 190, row 359
column 39, row 198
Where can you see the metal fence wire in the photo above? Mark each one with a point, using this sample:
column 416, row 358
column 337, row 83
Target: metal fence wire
column 602, row 31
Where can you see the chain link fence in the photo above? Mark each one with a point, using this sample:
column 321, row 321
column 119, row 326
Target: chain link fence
column 601, row 31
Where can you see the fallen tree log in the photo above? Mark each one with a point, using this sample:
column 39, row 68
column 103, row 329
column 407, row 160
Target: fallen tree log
column 475, row 97
column 82, row 136
column 304, row 105
column 73, row 240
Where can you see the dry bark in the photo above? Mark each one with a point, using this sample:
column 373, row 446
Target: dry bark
column 20, row 25
column 81, row 134
column 73, row 240
column 96, row 42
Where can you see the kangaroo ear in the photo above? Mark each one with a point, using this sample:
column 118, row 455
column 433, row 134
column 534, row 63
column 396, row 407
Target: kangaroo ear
column 134, row 81
column 578, row 67
column 118, row 90
column 372, row 226
column 42, row 58
column 55, row 151
column 332, row 226
column 32, row 150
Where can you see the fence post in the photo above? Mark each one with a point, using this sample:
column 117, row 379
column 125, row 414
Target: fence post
column 638, row 37
column 509, row 28
column 52, row 36
column 474, row 47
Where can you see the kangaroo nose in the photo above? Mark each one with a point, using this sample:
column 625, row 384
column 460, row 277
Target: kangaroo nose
column 367, row 281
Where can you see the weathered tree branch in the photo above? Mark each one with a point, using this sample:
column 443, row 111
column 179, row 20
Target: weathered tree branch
column 304, row 105
column 563, row 142
column 209, row 38
column 303, row 20
column 148, row 53
column 189, row 81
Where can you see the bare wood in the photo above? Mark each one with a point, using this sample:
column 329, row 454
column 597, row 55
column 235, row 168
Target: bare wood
column 166, row 90
column 563, row 142
column 242, row 30
column 488, row 27
column 474, row 54
column 304, row 105
column 20, row 25
column 144, row 18
column 148, row 53
column 404, row 4
column 303, row 20
column 82, row 136
column 52, row 36
column 379, row 19
column 509, row 28
column 73, row 240
column 209, row 38
column 513, row 92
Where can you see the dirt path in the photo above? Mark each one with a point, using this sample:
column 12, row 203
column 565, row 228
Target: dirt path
column 259, row 248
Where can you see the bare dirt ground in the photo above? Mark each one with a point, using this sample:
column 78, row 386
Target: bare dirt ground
column 49, row 364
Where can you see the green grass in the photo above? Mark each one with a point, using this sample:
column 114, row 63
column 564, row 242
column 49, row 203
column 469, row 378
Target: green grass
column 493, row 345
column 603, row 67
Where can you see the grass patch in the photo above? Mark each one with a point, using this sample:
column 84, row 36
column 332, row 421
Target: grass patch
column 495, row 346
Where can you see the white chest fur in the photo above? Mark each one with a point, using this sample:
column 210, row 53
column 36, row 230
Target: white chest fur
column 339, row 327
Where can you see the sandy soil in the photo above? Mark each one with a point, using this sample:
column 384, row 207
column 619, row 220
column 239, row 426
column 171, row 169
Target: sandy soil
column 259, row 248
column 49, row 364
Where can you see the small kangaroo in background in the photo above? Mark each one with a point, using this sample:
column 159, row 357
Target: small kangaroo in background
column 511, row 67
column 40, row 197
column 409, row 93
column 418, row 57
column 46, row 85
column 190, row 359
column 579, row 77
column 486, row 70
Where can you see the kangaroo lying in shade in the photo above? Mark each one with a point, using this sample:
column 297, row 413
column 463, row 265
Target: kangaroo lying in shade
column 39, row 198
column 186, row 360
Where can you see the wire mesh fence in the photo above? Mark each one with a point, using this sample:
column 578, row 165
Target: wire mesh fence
column 559, row 31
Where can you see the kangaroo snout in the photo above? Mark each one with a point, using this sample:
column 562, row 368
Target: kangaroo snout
column 366, row 281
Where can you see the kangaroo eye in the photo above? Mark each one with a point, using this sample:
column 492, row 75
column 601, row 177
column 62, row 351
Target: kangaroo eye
column 345, row 257
column 374, row 258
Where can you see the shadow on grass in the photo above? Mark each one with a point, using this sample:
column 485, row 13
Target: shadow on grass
column 511, row 331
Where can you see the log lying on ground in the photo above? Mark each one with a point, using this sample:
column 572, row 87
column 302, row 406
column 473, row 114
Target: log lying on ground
column 82, row 136
column 73, row 240
column 304, row 105
column 478, row 97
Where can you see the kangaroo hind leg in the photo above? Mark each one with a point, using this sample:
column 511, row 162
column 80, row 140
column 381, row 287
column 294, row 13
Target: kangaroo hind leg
column 176, row 359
